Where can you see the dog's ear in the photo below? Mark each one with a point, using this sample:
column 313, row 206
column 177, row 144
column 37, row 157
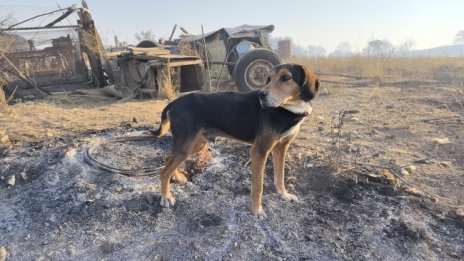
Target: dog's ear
column 308, row 82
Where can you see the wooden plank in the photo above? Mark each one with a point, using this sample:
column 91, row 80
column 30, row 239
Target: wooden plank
column 149, row 51
column 182, row 63
column 40, row 28
column 178, row 56
column 113, row 54
column 63, row 16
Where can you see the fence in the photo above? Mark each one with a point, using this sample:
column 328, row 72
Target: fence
column 42, row 46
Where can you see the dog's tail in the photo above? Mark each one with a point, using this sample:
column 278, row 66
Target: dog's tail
column 164, row 126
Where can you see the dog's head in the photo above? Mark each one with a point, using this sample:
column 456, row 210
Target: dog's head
column 290, row 86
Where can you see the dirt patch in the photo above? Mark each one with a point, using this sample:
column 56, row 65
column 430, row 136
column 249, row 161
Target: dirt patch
column 65, row 209
column 130, row 155
column 73, row 115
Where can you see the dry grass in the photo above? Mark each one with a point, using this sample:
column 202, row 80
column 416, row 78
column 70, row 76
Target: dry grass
column 2, row 96
column 39, row 121
column 51, row 118
column 185, row 48
column 421, row 88
column 166, row 88
column 394, row 67
column 5, row 45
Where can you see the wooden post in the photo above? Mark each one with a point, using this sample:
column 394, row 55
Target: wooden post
column 91, row 44
column 284, row 49
column 116, row 42
column 208, row 65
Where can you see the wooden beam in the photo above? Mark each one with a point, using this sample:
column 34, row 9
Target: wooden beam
column 149, row 51
column 91, row 44
column 63, row 16
column 40, row 28
column 182, row 63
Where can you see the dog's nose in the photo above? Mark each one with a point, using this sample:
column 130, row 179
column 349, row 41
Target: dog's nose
column 262, row 94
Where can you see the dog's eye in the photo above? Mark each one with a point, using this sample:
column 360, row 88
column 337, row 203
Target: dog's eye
column 285, row 78
column 268, row 80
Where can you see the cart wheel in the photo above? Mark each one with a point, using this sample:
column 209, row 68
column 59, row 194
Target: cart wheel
column 251, row 70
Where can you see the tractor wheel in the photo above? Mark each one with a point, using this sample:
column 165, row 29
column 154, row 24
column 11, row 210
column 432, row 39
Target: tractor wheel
column 252, row 69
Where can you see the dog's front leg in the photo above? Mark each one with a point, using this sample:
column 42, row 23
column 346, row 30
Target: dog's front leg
column 278, row 159
column 259, row 153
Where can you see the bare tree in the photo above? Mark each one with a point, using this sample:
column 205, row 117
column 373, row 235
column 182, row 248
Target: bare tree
column 6, row 21
column 405, row 47
column 145, row 35
column 378, row 47
column 343, row 50
column 315, row 51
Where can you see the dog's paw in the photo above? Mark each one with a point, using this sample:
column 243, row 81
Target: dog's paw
column 259, row 213
column 180, row 177
column 289, row 197
column 167, row 201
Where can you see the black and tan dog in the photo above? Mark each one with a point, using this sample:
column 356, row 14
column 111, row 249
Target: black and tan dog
column 268, row 120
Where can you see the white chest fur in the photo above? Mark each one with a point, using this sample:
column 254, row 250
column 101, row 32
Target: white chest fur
column 298, row 107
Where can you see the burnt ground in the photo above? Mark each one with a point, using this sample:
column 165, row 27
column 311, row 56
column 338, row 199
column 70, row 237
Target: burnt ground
column 61, row 208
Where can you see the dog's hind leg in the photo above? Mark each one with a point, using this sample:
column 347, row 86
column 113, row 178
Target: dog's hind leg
column 180, row 176
column 167, row 199
column 204, row 155
column 183, row 148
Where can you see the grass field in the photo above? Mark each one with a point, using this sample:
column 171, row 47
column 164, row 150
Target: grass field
column 391, row 67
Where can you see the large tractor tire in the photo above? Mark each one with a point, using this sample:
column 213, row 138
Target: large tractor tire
column 251, row 70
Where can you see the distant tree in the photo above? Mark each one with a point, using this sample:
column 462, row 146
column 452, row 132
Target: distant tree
column 315, row 51
column 145, row 35
column 5, row 20
column 298, row 50
column 343, row 49
column 309, row 51
column 459, row 38
column 405, row 47
column 379, row 48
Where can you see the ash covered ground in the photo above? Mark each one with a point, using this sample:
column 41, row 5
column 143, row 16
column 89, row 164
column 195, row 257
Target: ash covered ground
column 60, row 208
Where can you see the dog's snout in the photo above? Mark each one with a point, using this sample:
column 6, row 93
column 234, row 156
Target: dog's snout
column 262, row 94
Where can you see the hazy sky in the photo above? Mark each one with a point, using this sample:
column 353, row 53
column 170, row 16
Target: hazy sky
column 326, row 23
